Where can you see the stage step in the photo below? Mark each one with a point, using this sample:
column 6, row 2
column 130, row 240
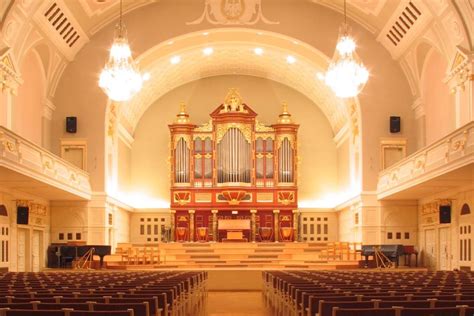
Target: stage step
column 211, row 255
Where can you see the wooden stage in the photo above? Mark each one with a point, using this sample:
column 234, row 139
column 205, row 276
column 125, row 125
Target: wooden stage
column 235, row 255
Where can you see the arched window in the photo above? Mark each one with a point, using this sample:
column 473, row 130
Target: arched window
column 465, row 210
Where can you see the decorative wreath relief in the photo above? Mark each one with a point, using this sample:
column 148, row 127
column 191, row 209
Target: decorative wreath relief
column 232, row 12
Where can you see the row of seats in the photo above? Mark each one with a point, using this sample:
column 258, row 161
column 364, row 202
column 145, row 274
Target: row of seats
column 96, row 293
column 326, row 293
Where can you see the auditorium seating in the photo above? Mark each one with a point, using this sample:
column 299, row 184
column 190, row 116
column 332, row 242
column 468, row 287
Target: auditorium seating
column 141, row 293
column 326, row 293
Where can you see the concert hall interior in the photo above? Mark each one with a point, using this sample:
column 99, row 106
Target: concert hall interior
column 177, row 151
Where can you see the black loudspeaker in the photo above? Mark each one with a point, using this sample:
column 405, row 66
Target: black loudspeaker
column 445, row 214
column 71, row 124
column 22, row 215
column 395, row 124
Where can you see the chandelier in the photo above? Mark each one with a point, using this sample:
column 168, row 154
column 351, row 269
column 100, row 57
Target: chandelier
column 346, row 75
column 120, row 78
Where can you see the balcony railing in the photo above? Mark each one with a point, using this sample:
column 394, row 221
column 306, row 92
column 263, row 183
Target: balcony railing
column 24, row 157
column 453, row 151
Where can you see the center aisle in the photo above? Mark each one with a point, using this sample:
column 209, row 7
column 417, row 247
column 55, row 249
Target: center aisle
column 235, row 303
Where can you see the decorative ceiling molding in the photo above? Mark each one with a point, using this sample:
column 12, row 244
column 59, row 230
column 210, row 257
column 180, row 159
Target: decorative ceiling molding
column 405, row 25
column 232, row 12
column 61, row 27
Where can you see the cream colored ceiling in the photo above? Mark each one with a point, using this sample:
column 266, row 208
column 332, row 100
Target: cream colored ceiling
column 94, row 14
column 234, row 54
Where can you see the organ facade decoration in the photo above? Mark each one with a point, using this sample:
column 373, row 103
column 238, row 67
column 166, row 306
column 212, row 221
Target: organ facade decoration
column 234, row 168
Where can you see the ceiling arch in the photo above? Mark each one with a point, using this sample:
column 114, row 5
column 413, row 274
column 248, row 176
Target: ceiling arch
column 233, row 53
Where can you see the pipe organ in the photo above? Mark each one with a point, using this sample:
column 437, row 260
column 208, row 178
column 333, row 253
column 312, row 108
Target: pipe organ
column 231, row 165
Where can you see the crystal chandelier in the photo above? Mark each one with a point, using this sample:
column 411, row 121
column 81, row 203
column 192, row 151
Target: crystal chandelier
column 346, row 75
column 120, row 78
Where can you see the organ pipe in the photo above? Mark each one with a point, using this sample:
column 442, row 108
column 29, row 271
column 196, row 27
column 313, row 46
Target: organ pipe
column 182, row 162
column 233, row 161
column 285, row 162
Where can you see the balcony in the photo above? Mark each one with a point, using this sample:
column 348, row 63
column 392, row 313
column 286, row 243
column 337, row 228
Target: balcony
column 29, row 168
column 443, row 165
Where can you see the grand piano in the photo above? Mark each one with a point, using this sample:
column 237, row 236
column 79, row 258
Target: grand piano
column 60, row 255
column 392, row 252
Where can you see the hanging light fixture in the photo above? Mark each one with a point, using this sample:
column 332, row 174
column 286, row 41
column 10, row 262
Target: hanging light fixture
column 346, row 75
column 120, row 78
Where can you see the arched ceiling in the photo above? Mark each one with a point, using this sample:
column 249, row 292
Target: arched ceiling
column 233, row 53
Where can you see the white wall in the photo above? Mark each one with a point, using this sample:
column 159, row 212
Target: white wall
column 317, row 176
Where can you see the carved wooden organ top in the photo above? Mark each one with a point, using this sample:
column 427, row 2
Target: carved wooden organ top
column 233, row 160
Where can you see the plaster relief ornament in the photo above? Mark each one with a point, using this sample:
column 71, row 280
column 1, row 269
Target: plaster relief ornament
column 232, row 12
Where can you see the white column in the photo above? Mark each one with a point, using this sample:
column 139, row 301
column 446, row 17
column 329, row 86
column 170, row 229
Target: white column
column 419, row 108
column 48, row 109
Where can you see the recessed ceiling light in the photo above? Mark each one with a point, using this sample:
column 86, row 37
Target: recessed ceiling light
column 208, row 51
column 175, row 60
column 146, row 76
column 258, row 51
column 290, row 59
column 295, row 42
column 170, row 42
column 205, row 33
column 259, row 33
column 320, row 76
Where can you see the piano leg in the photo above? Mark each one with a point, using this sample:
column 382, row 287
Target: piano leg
column 101, row 260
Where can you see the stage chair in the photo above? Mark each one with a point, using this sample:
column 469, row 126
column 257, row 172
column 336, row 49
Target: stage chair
column 344, row 250
column 286, row 234
column 155, row 255
column 201, row 234
column 181, row 234
column 266, row 234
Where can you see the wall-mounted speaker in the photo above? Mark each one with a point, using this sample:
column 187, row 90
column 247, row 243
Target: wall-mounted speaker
column 22, row 215
column 445, row 214
column 71, row 124
column 395, row 124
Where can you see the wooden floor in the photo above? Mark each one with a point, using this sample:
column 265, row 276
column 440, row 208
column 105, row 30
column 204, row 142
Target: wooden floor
column 235, row 304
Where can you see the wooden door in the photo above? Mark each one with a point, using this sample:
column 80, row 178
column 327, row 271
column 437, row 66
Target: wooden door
column 429, row 252
column 36, row 251
column 444, row 249
column 22, row 251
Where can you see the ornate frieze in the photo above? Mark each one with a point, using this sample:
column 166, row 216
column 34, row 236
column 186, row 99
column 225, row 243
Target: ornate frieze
column 9, row 78
column 232, row 12
column 24, row 157
column 461, row 70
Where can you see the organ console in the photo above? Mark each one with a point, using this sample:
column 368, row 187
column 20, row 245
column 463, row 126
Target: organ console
column 233, row 163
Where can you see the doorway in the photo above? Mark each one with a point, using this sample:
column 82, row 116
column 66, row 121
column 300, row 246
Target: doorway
column 444, row 249
column 22, row 258
column 36, row 250
column 429, row 258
